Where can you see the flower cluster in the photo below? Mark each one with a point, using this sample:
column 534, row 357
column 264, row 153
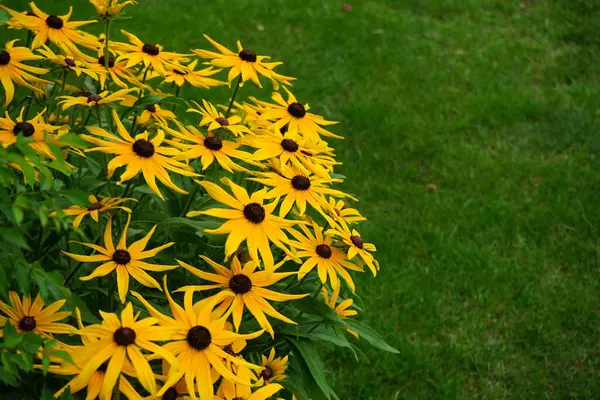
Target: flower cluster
column 234, row 205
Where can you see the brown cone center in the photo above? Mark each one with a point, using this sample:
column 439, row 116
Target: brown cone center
column 254, row 212
column 124, row 336
column 121, row 257
column 24, row 128
column 27, row 324
column 240, row 284
column 297, row 110
column 324, row 251
column 199, row 337
column 54, row 22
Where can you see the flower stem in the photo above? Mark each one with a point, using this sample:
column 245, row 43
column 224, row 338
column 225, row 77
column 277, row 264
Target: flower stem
column 190, row 200
column 106, row 51
column 235, row 91
column 176, row 95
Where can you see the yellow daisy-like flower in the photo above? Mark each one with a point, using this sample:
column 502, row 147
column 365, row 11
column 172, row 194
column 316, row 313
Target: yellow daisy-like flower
column 119, row 74
column 36, row 128
column 122, row 339
column 56, row 29
column 297, row 188
column 274, row 368
column 180, row 74
column 139, row 154
column 95, row 208
column 68, row 63
column 125, row 260
column 206, row 148
column 216, row 120
column 12, row 70
column 110, row 8
column 197, row 344
column 244, row 288
column 178, row 391
column 26, row 316
column 339, row 211
column 302, row 153
column 237, row 391
column 94, row 99
column 249, row 220
column 295, row 115
column 320, row 252
column 340, row 309
column 356, row 245
column 155, row 114
column 151, row 55
column 245, row 62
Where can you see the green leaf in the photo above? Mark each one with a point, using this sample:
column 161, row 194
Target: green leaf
column 14, row 236
column 75, row 196
column 367, row 333
column 90, row 85
column 295, row 388
column 11, row 338
column 4, row 16
column 313, row 306
column 74, row 140
column 18, row 214
column 175, row 222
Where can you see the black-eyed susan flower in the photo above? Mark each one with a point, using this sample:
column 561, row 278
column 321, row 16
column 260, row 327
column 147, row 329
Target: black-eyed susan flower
column 274, row 367
column 94, row 208
column 93, row 100
column 238, row 391
column 338, row 209
column 245, row 62
column 26, row 316
column 56, row 29
column 216, row 120
column 119, row 73
column 245, row 288
column 356, row 244
column 125, row 260
column 178, row 391
column 148, row 54
column 198, row 344
column 122, row 339
column 249, row 220
column 319, row 251
column 41, row 133
column 295, row 115
column 110, row 8
column 180, row 74
column 12, row 69
column 155, row 114
column 297, row 188
column 139, row 154
column 342, row 309
column 68, row 63
column 194, row 145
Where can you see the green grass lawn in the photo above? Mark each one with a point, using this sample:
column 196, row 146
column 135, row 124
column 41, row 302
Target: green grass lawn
column 472, row 139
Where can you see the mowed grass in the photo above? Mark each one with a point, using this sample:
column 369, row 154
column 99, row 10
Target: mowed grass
column 472, row 139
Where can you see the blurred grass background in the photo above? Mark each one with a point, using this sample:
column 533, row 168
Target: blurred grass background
column 472, row 140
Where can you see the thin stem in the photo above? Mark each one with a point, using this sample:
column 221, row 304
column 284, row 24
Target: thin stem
column 127, row 188
column 190, row 200
column 74, row 270
column 27, row 107
column 29, row 37
column 176, row 95
column 106, row 52
column 237, row 87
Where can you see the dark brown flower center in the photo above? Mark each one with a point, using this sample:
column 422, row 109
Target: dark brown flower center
column 170, row 394
column 124, row 336
column 24, row 128
column 267, row 373
column 27, row 324
column 94, row 206
column 247, row 55
column 297, row 110
column 213, row 143
column 324, row 251
column 178, row 72
column 121, row 257
column 300, row 182
column 54, row 22
column 4, row 57
column 94, row 97
column 357, row 241
column 70, row 62
column 199, row 337
column 151, row 49
column 102, row 61
column 289, row 145
column 240, row 284
column 143, row 148
column 222, row 121
column 152, row 108
column 254, row 212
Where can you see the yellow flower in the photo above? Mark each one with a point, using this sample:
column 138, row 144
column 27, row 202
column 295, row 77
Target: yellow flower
column 36, row 128
column 110, row 8
column 56, row 29
column 295, row 115
column 297, row 188
column 33, row 317
column 197, row 344
column 95, row 208
column 340, row 309
column 206, row 148
column 356, row 244
column 151, row 55
column 122, row 339
column 274, row 368
column 68, row 63
column 237, row 391
column 337, row 210
column 216, row 120
column 155, row 114
column 94, row 99
column 180, row 74
column 139, row 154
column 321, row 253
column 245, row 62
column 117, row 70
column 12, row 70
column 243, row 288
column 125, row 260
column 248, row 220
